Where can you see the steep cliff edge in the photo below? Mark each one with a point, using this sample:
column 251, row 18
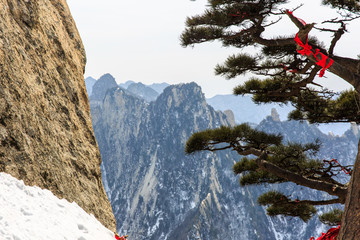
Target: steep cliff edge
column 45, row 127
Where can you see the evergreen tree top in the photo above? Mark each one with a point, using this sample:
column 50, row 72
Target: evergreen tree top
column 284, row 70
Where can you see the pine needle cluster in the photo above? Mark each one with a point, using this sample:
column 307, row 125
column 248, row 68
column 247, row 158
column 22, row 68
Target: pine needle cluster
column 268, row 160
column 281, row 74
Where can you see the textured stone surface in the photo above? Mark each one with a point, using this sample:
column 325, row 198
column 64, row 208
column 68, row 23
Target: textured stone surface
column 45, row 127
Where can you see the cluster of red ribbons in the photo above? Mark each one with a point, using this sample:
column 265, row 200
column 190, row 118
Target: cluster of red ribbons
column 334, row 160
column 321, row 58
column 330, row 235
column 117, row 237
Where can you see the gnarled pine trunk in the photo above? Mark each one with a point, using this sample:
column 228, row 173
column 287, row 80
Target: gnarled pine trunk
column 350, row 223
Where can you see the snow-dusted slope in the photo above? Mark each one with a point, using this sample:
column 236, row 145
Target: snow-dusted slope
column 34, row 214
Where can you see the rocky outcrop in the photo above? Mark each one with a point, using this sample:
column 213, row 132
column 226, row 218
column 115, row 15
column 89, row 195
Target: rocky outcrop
column 157, row 192
column 45, row 127
column 100, row 87
column 275, row 115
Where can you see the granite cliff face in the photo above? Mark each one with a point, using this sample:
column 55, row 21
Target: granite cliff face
column 45, row 127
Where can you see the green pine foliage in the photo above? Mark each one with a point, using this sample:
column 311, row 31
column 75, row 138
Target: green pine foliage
column 252, row 175
column 279, row 204
column 236, row 65
column 214, row 139
column 295, row 158
column 332, row 218
column 350, row 5
column 286, row 76
column 317, row 109
column 278, row 74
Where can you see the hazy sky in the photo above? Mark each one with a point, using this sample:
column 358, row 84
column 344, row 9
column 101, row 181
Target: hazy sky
column 139, row 40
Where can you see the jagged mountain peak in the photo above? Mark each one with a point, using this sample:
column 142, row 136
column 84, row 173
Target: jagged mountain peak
column 275, row 115
column 302, row 131
column 104, row 83
column 143, row 144
column 352, row 132
column 159, row 193
column 184, row 93
column 107, row 77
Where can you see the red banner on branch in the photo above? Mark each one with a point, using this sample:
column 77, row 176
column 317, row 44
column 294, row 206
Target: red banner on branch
column 330, row 235
column 322, row 60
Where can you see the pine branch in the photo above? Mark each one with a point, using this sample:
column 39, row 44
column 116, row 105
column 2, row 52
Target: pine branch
column 331, row 189
column 338, row 67
column 318, row 203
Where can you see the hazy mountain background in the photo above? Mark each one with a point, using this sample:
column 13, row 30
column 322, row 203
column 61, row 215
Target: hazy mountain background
column 243, row 108
column 158, row 192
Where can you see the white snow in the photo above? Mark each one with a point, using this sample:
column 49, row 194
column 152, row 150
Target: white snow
column 34, row 214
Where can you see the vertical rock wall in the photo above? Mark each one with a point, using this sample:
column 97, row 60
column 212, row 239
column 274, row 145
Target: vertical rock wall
column 45, row 127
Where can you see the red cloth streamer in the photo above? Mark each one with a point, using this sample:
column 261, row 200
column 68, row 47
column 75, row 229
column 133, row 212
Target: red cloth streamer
column 330, row 235
column 306, row 47
column 334, row 160
column 117, row 237
column 300, row 20
column 321, row 58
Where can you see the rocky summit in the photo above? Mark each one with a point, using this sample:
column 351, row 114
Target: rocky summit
column 160, row 193
column 45, row 127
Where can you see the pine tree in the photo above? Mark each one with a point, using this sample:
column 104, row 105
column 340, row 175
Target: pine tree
column 285, row 70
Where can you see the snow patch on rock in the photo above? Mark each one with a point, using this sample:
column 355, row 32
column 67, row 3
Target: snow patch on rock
column 32, row 213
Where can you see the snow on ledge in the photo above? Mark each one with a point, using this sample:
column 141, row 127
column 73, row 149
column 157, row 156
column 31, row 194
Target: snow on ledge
column 34, row 214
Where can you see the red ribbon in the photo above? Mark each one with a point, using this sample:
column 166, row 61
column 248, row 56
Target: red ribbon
column 306, row 47
column 117, row 237
column 322, row 63
column 300, row 20
column 331, row 234
column 306, row 50
column 334, row 160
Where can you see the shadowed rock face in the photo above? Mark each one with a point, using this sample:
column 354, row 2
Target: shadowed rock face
column 45, row 127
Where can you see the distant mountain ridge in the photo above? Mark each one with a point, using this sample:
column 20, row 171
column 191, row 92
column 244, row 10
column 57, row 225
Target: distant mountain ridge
column 158, row 192
column 99, row 88
column 146, row 92
column 143, row 91
column 243, row 108
column 144, row 146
